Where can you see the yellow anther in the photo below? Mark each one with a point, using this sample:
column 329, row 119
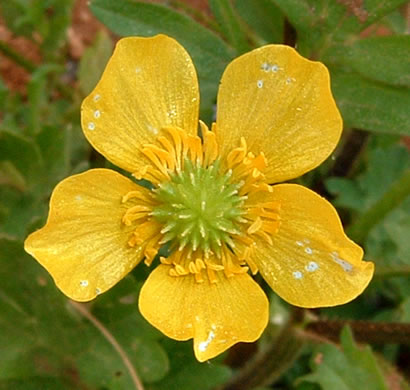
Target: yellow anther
column 210, row 146
column 165, row 260
column 192, row 268
column 213, row 266
column 180, row 270
column 200, row 264
column 256, row 225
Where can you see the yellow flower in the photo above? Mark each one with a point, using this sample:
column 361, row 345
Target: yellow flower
column 211, row 199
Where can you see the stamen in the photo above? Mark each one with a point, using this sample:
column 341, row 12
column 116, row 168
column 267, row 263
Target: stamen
column 147, row 233
column 256, row 225
column 209, row 144
column 207, row 210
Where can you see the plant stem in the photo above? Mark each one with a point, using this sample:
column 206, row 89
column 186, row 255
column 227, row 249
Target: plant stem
column 392, row 271
column 81, row 308
column 350, row 153
column 289, row 34
column 364, row 331
column 16, row 57
column 391, row 199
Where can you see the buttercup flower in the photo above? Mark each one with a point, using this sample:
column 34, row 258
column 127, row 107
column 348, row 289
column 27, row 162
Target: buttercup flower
column 212, row 199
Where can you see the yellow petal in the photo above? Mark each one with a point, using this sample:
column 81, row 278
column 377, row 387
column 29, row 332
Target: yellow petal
column 217, row 315
column 311, row 262
column 282, row 105
column 149, row 83
column 84, row 243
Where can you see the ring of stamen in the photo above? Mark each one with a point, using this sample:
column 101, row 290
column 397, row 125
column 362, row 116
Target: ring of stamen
column 209, row 210
column 199, row 208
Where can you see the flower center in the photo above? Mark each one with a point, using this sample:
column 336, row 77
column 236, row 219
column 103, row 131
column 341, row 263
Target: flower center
column 212, row 212
column 199, row 208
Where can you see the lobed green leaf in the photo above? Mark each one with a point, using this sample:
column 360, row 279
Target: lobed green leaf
column 322, row 23
column 230, row 24
column 351, row 369
column 384, row 59
column 370, row 105
column 263, row 17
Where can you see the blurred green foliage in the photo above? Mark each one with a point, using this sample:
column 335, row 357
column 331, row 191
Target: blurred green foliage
column 347, row 369
column 46, row 343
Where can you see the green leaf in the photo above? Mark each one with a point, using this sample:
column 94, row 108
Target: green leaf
column 118, row 308
column 304, row 17
column 38, row 95
column 405, row 309
column 370, row 105
column 151, row 360
column 196, row 376
column 48, row 19
column 54, row 144
column 386, row 163
column 384, row 59
column 348, row 194
column 362, row 358
column 44, row 335
column 135, row 336
column 4, row 91
column 58, row 20
column 99, row 363
column 264, row 17
column 93, row 62
column 28, row 172
column 396, row 22
column 321, row 24
column 398, row 230
column 230, row 24
column 10, row 176
column 19, row 212
column 393, row 197
column 307, row 386
column 388, row 241
column 33, row 383
column 33, row 317
column 186, row 373
column 209, row 52
column 13, row 12
column 350, row 369
column 23, row 154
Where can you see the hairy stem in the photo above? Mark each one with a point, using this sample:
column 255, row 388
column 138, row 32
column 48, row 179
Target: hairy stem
column 364, row 331
column 81, row 308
